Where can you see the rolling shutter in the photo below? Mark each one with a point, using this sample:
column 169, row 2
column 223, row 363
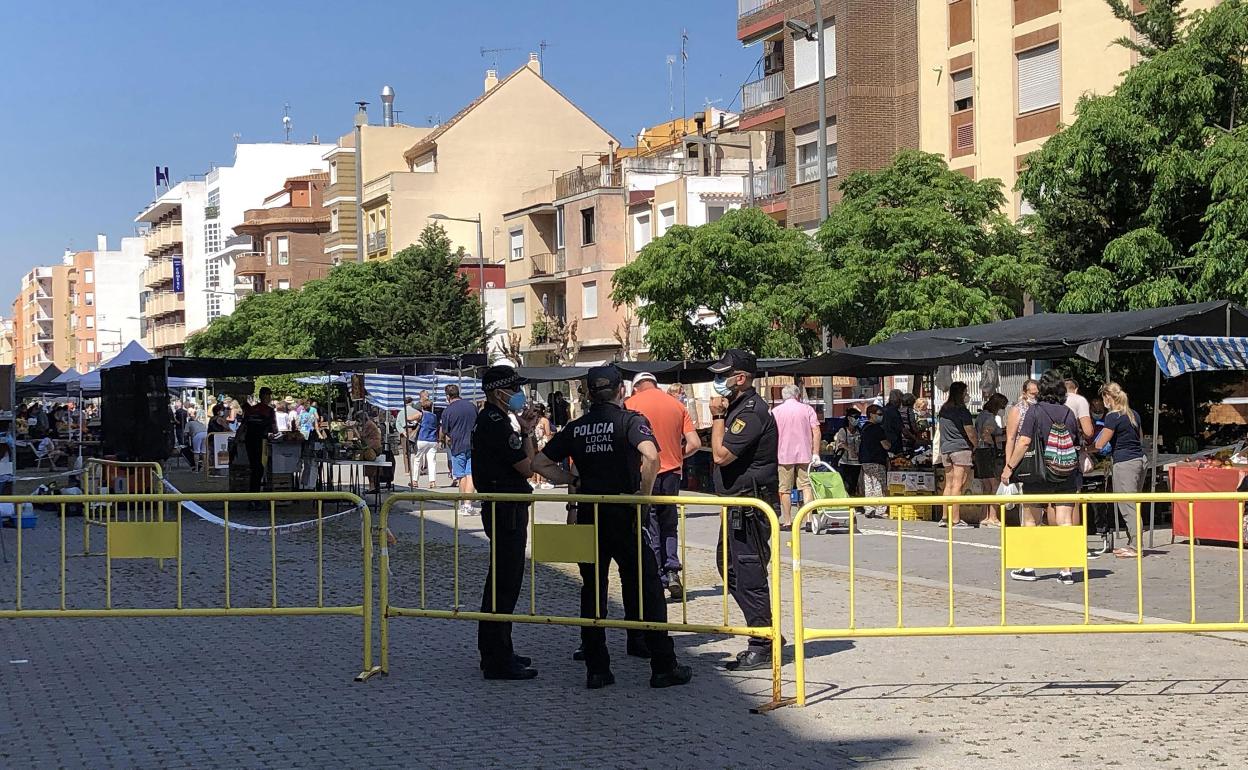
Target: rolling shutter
column 1039, row 78
column 963, row 85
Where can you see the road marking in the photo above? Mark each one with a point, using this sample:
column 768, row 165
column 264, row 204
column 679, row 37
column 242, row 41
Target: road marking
column 942, row 540
column 19, row 661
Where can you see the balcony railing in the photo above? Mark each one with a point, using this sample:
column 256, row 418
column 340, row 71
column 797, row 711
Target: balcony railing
column 163, row 303
column 770, row 183
column 168, row 335
column 547, row 264
column 158, row 272
column 747, row 7
column 762, row 92
column 583, row 180
column 376, row 241
column 250, row 263
column 245, row 284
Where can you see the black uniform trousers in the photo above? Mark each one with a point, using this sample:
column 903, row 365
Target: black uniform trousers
column 255, row 461
column 617, row 539
column 749, row 554
column 506, row 525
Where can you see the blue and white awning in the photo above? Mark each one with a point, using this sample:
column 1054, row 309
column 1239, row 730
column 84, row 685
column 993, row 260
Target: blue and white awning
column 386, row 390
column 1180, row 355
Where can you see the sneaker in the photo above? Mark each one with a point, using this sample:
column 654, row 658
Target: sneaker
column 1028, row 575
column 943, row 524
column 546, row 485
column 962, row 525
column 676, row 677
column 674, row 588
column 1067, row 578
column 751, row 659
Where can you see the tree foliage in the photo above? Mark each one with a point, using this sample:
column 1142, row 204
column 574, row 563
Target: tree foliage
column 1141, row 201
column 1158, row 28
column 918, row 246
column 415, row 303
column 743, row 268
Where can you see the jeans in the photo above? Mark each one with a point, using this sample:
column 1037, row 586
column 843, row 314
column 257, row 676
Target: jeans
column 663, row 526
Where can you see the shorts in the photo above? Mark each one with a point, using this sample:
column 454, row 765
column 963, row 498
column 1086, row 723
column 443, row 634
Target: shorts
column 962, row 457
column 789, row 472
column 461, row 465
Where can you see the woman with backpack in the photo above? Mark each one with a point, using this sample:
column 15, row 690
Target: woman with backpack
column 1045, row 459
column 1122, row 427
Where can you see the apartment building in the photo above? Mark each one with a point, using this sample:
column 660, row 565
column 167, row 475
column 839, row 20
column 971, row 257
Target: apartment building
column 998, row 78
column 104, row 289
column 871, row 65
column 6, row 342
column 41, row 319
column 286, row 238
column 173, row 239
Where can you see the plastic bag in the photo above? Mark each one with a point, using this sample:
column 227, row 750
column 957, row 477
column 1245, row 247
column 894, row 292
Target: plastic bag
column 1009, row 490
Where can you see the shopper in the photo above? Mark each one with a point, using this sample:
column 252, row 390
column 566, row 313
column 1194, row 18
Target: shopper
column 957, row 437
column 458, row 420
column 847, row 442
column 426, row 443
column 989, row 457
column 1122, row 427
column 798, row 448
column 873, row 454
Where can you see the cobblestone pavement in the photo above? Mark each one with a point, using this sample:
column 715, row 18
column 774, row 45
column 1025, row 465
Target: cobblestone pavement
column 277, row 692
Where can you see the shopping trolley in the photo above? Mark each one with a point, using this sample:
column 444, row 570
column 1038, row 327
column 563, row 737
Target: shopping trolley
column 826, row 483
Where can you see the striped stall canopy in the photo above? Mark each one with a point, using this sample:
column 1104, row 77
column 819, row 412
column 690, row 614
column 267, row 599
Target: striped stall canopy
column 386, row 390
column 1179, row 355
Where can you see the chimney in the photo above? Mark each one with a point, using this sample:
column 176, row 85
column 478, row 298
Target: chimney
column 68, row 257
column 491, row 79
column 101, row 242
column 387, row 106
column 535, row 64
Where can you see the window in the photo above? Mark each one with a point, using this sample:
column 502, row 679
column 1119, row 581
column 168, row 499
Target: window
column 559, row 228
column 806, row 141
column 214, row 306
column 806, row 57
column 283, row 250
column 212, row 274
column 1039, row 78
column 963, row 86
column 667, row 218
column 90, row 299
column 1025, row 207
column 268, row 251
column 641, row 231
column 91, row 346
column 589, row 299
column 212, row 237
column 88, row 276
column 517, row 312
column 517, row 244
column 713, row 213
column 89, row 321
column 73, row 322
column 333, row 219
column 333, row 173
column 283, row 284
column 587, row 226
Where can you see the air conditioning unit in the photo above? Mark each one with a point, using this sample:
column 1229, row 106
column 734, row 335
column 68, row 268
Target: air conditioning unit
column 773, row 62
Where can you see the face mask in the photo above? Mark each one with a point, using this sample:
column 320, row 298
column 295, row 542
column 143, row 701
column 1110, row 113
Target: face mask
column 517, row 401
column 1030, row 399
column 721, row 387
column 877, row 418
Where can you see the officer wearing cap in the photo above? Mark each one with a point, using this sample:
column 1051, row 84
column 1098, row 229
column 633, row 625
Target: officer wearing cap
column 743, row 448
column 614, row 453
column 502, row 461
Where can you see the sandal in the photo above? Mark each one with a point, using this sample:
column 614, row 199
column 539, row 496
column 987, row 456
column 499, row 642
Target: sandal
column 987, row 523
column 1125, row 553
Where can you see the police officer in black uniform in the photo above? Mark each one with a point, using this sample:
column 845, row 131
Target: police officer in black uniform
column 614, row 453
column 743, row 448
column 501, row 463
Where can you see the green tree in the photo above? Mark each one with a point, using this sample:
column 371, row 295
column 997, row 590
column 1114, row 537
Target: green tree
column 1141, row 201
column 258, row 328
column 743, row 268
column 1159, row 27
column 918, row 246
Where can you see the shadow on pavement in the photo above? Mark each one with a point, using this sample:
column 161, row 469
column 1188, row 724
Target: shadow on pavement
column 1137, row 688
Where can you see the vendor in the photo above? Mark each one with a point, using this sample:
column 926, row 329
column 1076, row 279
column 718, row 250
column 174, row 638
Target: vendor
column 370, row 437
column 259, row 421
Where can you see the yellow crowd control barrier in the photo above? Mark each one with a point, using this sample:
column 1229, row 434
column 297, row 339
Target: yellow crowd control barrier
column 576, row 543
column 1020, row 546
column 135, row 535
column 114, row 477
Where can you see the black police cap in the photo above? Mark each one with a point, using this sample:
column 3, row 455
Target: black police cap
column 735, row 360
column 501, row 377
column 603, row 377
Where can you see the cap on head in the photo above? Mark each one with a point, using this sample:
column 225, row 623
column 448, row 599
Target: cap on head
column 603, row 377
column 641, row 377
column 501, row 377
column 735, row 360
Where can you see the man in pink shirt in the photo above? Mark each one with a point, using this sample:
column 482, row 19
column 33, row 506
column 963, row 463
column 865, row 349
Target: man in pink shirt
column 798, row 429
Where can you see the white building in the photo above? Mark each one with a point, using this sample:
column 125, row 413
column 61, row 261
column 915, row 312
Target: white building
column 173, row 245
column 118, row 282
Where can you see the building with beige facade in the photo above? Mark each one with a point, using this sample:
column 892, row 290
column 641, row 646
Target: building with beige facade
column 998, row 78
column 6, row 341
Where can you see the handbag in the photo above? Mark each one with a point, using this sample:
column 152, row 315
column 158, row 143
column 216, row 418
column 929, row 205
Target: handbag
column 985, row 464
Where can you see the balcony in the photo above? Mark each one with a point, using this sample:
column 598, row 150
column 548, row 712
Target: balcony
column 750, row 7
column 158, row 273
column 168, row 335
column 164, row 303
column 770, row 183
column 762, row 92
column 759, row 20
column 161, row 237
column 809, row 172
column 377, row 241
column 583, row 180
column 250, row 263
column 547, row 265
column 246, row 284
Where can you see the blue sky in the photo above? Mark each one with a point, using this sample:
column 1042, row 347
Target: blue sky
column 95, row 94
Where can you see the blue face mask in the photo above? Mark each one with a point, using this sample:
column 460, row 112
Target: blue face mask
column 517, row 401
column 720, row 386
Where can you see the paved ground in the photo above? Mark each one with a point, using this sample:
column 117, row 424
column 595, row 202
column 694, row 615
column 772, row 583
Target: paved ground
column 277, row 692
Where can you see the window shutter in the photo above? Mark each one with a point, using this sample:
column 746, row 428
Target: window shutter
column 963, row 85
column 1039, row 78
column 805, row 61
column 965, row 136
column 805, row 134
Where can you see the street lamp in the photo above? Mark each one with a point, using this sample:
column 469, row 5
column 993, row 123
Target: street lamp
column 816, row 34
column 480, row 267
column 361, row 120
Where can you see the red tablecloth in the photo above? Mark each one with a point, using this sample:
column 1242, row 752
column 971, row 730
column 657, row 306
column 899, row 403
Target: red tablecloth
column 1212, row 520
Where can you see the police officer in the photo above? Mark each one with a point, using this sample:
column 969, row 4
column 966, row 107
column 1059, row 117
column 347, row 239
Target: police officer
column 614, row 453
column 743, row 448
column 502, row 459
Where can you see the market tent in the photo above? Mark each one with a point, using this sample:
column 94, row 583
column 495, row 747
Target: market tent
column 843, row 363
column 388, row 390
column 130, row 354
column 255, row 367
column 551, row 373
column 68, row 377
column 43, row 383
column 1178, row 355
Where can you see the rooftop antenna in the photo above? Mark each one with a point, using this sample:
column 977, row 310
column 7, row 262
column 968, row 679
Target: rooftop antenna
column 684, row 60
column 237, row 137
column 492, row 54
column 541, row 55
column 287, row 123
column 671, row 104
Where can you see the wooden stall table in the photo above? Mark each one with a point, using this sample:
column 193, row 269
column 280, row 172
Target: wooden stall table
column 1211, row 519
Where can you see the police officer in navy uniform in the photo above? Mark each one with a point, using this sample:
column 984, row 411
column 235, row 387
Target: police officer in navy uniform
column 743, row 448
column 502, row 460
column 614, row 453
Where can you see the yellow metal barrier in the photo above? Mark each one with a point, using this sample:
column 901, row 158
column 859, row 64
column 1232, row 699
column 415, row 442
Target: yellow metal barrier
column 114, row 477
column 144, row 536
column 1022, row 546
column 569, row 543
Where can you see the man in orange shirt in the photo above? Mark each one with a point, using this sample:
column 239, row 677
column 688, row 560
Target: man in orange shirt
column 677, row 439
